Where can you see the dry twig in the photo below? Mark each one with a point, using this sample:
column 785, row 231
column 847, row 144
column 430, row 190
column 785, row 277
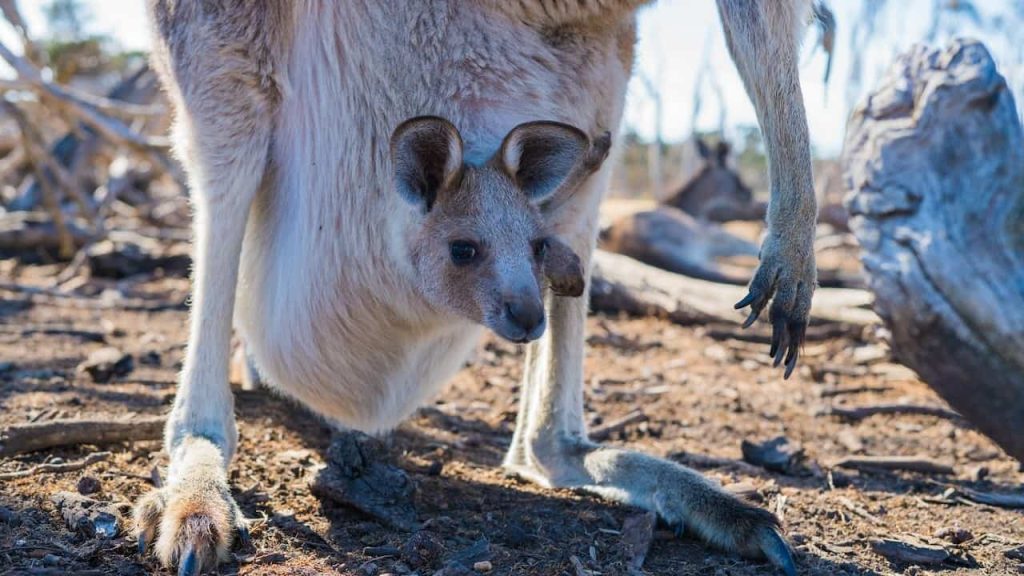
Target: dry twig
column 862, row 412
column 908, row 463
column 606, row 431
column 57, row 468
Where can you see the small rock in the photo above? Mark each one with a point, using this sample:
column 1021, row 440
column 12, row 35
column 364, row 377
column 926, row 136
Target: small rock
column 483, row 566
column 777, row 454
column 52, row 560
column 956, row 535
column 368, row 569
column 9, row 517
column 716, row 352
column 88, row 485
column 151, row 358
column 106, row 363
column 850, row 440
column 422, row 550
column 978, row 474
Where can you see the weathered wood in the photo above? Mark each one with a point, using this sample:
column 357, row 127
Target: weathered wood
column 934, row 162
column 621, row 284
column 857, row 413
column 43, row 435
column 673, row 240
column 909, row 463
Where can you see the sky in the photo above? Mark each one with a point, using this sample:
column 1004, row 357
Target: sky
column 674, row 37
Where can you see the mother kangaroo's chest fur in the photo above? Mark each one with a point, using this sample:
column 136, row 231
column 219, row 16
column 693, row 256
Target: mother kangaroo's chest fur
column 327, row 300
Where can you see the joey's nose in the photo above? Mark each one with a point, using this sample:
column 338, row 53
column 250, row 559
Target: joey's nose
column 526, row 314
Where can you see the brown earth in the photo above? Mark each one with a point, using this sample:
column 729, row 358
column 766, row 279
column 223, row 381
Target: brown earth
column 701, row 397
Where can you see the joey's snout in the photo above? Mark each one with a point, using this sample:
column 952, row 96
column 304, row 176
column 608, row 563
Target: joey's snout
column 522, row 317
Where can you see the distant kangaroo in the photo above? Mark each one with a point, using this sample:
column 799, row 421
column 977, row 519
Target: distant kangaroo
column 305, row 228
column 716, row 192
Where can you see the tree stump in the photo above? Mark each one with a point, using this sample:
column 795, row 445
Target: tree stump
column 934, row 166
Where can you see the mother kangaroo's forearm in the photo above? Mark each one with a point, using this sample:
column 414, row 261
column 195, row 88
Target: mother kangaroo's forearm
column 763, row 38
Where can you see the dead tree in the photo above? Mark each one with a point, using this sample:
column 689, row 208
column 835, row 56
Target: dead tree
column 934, row 165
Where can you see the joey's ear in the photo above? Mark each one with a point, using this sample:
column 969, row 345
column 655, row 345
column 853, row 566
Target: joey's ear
column 563, row 269
column 426, row 155
column 541, row 155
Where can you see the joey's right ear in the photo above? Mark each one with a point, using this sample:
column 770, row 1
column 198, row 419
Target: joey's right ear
column 426, row 153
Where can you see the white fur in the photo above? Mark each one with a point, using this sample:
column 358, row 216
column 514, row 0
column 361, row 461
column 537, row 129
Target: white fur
column 296, row 212
column 326, row 241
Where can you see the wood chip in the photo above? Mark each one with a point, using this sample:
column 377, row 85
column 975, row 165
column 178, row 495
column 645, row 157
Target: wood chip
column 910, row 551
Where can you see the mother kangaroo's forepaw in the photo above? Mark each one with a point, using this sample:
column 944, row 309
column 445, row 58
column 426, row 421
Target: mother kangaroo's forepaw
column 191, row 522
column 787, row 278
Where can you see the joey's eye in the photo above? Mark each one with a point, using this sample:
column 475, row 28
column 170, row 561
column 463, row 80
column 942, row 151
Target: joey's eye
column 540, row 248
column 463, row 252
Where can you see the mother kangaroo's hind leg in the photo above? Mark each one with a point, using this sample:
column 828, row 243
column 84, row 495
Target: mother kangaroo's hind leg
column 218, row 77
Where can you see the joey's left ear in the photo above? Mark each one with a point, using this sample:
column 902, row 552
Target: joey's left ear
column 563, row 269
column 541, row 155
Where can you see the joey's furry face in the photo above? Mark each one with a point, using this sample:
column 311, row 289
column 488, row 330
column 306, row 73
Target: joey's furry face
column 481, row 249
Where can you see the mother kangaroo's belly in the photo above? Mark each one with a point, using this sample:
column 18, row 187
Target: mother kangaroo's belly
column 345, row 353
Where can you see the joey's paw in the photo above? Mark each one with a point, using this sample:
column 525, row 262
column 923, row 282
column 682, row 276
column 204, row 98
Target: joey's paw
column 786, row 277
column 731, row 524
column 191, row 523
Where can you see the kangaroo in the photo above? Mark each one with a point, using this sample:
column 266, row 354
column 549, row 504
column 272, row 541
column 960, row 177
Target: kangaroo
column 716, row 192
column 481, row 249
column 306, row 228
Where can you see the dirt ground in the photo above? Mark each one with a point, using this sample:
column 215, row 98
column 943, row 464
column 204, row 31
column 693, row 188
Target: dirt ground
column 700, row 398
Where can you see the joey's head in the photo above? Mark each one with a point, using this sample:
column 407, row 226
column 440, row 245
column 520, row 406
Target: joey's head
column 480, row 247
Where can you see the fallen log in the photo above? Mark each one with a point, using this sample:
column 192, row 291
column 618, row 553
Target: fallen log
column 42, row 435
column 672, row 240
column 857, row 413
column 908, row 463
column 621, row 284
column 934, row 165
